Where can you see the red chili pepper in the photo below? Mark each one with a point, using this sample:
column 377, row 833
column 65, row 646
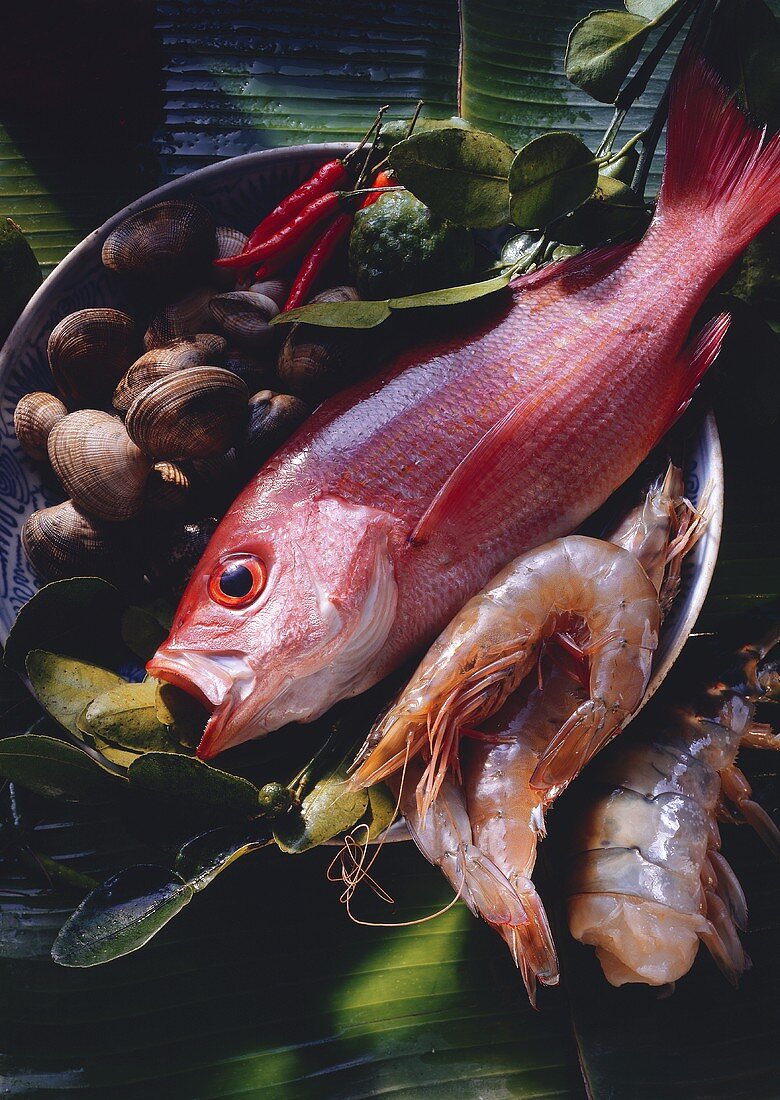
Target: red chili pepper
column 269, row 268
column 291, row 238
column 330, row 177
column 316, row 259
column 383, row 179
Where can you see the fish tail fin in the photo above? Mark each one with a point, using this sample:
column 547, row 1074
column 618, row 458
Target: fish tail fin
column 717, row 163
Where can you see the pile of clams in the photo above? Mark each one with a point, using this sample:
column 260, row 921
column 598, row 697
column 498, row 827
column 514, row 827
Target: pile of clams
column 158, row 419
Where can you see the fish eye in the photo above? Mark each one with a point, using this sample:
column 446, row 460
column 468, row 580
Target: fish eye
column 237, row 581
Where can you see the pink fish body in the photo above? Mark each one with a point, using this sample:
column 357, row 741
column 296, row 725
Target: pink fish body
column 400, row 498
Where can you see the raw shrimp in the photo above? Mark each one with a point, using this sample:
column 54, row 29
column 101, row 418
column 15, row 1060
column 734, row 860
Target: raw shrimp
column 491, row 645
column 507, row 815
column 487, row 849
column 648, row 881
column 444, row 838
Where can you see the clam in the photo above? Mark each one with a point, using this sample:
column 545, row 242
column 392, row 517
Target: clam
column 62, row 541
column 229, row 243
column 193, row 351
column 192, row 414
column 274, row 289
column 173, row 555
column 315, row 361
column 257, row 370
column 273, row 417
column 244, row 316
column 89, row 351
column 214, row 476
column 168, row 245
column 34, row 417
column 98, row 465
column 186, row 317
column 169, row 488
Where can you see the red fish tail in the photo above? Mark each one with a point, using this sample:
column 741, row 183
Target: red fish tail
column 718, row 167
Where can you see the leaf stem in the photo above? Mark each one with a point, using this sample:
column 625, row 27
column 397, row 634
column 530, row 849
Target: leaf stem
column 639, row 81
column 59, row 874
column 637, row 84
column 610, row 157
column 649, row 143
column 653, row 133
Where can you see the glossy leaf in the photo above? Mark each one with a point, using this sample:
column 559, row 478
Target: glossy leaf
column 511, row 77
column 460, row 174
column 650, row 9
column 550, row 176
column 397, row 130
column 623, row 168
column 121, row 758
column 65, row 687
column 54, row 769
column 120, row 916
column 127, row 718
column 75, row 617
column 204, row 857
column 194, row 785
column 18, row 709
column 142, row 632
column 327, row 811
column 371, row 314
column 612, row 211
column 380, row 813
column 522, row 249
column 337, row 314
column 602, row 50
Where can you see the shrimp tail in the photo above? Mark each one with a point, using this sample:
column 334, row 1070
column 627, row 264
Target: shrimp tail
column 488, row 893
column 530, row 942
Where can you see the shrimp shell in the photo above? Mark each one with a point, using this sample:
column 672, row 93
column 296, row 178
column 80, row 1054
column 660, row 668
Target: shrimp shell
column 488, row 649
column 647, row 882
column 496, row 812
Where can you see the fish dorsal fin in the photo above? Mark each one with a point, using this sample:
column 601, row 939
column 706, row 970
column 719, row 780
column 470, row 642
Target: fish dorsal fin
column 464, row 492
column 588, row 267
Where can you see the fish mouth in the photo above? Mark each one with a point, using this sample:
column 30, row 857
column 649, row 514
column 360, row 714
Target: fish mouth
column 219, row 681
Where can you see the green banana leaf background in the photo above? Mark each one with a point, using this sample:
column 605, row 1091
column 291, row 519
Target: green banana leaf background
column 264, row 987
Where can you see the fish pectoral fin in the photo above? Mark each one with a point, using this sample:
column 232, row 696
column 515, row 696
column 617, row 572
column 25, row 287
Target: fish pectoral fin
column 576, row 271
column 469, row 495
column 696, row 359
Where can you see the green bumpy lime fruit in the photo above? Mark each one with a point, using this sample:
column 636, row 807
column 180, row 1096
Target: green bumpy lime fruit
column 398, row 246
column 20, row 275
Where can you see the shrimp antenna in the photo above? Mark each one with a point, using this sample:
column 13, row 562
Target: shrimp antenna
column 352, row 866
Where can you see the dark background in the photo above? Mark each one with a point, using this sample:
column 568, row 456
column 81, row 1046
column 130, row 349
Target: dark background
column 263, row 988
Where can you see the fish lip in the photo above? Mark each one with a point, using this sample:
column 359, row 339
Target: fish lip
column 194, row 673
column 218, row 680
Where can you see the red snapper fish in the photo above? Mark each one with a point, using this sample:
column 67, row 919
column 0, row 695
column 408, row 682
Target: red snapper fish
column 400, row 498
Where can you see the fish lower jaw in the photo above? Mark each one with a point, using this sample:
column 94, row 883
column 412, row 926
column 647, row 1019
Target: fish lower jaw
column 219, row 681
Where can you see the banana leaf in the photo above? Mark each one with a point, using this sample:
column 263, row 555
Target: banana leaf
column 263, row 986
